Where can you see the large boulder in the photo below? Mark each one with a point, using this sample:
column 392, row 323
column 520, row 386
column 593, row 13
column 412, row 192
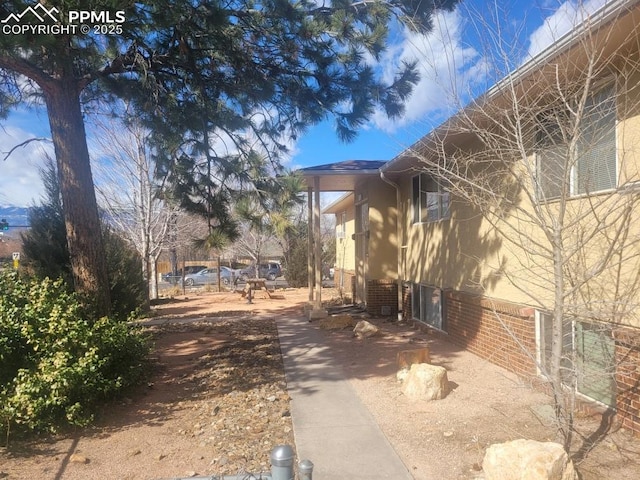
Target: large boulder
column 527, row 460
column 406, row 358
column 364, row 329
column 425, row 382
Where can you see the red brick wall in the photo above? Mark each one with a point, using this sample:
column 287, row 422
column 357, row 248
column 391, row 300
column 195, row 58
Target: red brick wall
column 627, row 357
column 494, row 330
column 478, row 324
column 382, row 293
column 497, row 331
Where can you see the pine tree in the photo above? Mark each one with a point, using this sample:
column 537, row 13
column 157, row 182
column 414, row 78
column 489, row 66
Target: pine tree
column 204, row 76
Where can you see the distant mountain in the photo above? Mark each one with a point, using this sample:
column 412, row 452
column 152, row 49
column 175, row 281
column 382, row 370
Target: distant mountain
column 15, row 216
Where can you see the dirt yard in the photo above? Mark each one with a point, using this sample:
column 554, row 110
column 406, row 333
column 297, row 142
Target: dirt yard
column 217, row 404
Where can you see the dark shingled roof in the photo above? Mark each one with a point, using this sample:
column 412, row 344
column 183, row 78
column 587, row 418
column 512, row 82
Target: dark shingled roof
column 341, row 176
column 350, row 166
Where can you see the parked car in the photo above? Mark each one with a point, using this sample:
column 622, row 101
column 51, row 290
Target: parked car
column 172, row 277
column 234, row 273
column 209, row 276
column 327, row 272
column 270, row 271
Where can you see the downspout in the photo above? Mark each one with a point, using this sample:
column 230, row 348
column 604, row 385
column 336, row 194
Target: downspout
column 399, row 236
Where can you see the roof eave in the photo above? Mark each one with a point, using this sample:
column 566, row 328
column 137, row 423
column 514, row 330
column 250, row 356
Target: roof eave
column 604, row 15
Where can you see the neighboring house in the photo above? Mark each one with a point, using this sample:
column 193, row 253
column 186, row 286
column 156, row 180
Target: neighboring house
column 421, row 248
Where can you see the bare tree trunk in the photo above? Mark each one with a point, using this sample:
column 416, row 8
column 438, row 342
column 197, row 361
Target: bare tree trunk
column 153, row 279
column 128, row 193
column 82, row 222
column 144, row 213
column 563, row 415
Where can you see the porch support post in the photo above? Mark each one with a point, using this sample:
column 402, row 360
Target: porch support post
column 310, row 244
column 318, row 311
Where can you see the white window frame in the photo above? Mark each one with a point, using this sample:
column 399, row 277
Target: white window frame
column 570, row 349
column 547, row 145
column 541, row 317
column 429, row 200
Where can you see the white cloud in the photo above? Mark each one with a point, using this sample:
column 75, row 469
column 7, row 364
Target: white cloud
column 454, row 70
column 561, row 21
column 449, row 69
column 20, row 182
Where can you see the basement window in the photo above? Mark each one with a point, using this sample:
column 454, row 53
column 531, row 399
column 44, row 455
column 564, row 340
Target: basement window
column 427, row 305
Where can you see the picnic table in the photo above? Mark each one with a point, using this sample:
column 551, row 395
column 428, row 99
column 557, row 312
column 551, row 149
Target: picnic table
column 255, row 284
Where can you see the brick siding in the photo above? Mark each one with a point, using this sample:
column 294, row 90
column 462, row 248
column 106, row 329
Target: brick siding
column 497, row 331
column 382, row 293
column 627, row 358
column 478, row 324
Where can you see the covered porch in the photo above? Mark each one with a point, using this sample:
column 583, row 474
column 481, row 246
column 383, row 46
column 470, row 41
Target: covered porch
column 371, row 236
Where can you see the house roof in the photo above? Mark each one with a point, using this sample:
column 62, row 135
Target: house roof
column 341, row 176
column 622, row 12
column 340, row 204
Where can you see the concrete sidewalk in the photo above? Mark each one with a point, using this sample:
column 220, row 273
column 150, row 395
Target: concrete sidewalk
column 332, row 427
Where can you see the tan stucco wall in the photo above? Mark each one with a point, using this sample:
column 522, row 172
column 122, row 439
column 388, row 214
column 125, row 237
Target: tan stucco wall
column 460, row 253
column 629, row 131
column 467, row 253
column 383, row 243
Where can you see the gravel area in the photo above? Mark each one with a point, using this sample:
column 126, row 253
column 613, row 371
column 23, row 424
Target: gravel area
column 217, row 404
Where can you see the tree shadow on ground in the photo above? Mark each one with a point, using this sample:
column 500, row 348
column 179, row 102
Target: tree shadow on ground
column 191, row 361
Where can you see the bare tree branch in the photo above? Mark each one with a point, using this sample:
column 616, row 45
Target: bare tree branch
column 24, row 144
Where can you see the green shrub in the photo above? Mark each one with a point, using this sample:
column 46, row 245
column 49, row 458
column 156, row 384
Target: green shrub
column 46, row 252
column 128, row 290
column 56, row 366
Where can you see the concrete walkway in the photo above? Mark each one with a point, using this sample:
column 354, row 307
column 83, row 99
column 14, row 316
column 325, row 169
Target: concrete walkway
column 332, row 427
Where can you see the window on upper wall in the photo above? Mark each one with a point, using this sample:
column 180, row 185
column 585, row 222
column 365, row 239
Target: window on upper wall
column 586, row 165
column 430, row 201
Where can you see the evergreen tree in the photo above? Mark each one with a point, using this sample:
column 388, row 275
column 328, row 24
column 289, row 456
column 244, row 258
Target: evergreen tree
column 214, row 80
column 46, row 252
column 45, row 243
column 296, row 255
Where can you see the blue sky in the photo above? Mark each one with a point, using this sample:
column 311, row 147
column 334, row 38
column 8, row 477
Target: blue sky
column 457, row 60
